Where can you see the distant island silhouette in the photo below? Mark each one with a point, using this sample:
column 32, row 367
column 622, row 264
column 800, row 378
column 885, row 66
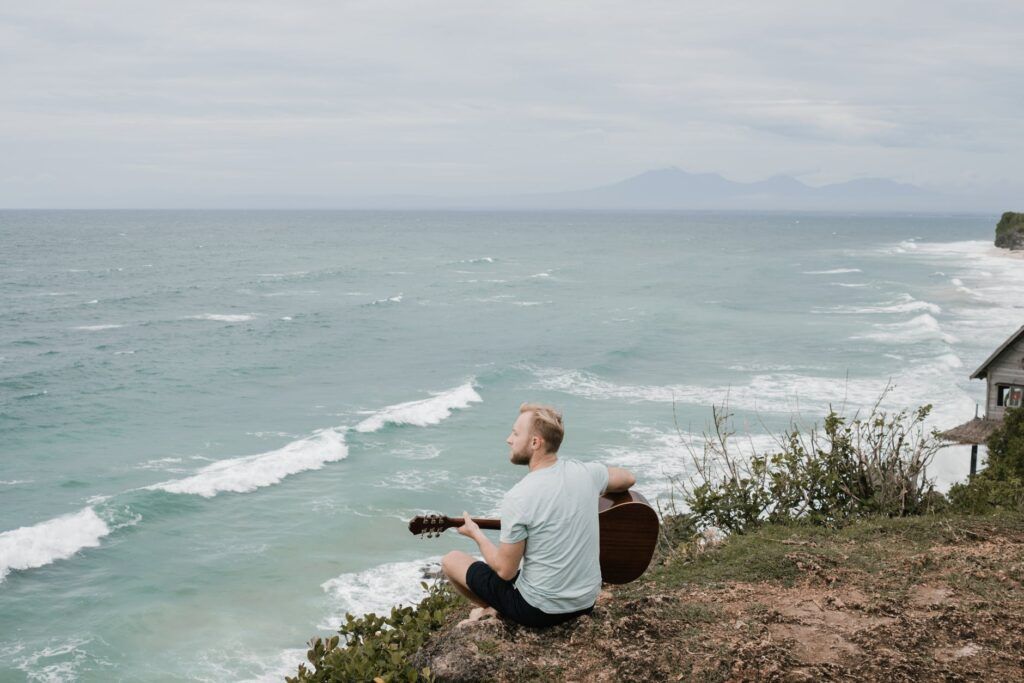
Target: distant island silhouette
column 666, row 189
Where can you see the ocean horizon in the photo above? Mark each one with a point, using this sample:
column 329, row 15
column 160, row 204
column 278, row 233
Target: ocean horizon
column 216, row 424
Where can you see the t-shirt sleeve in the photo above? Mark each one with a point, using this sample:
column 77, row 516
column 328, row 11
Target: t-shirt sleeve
column 513, row 520
column 598, row 475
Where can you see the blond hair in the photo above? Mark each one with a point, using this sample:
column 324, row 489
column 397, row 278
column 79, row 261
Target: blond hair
column 546, row 423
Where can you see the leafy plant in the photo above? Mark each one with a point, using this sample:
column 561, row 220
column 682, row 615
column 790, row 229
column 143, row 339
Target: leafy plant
column 1001, row 484
column 1006, row 446
column 379, row 648
column 846, row 468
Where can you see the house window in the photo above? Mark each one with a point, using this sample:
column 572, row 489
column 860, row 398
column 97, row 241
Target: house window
column 1009, row 396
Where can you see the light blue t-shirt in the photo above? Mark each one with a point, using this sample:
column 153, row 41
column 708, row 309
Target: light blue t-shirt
column 555, row 510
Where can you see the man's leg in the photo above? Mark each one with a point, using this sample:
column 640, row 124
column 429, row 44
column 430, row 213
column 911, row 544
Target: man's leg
column 455, row 564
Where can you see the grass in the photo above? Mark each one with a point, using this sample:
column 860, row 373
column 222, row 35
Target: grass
column 783, row 553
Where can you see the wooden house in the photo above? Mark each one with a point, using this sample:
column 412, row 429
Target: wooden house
column 1004, row 372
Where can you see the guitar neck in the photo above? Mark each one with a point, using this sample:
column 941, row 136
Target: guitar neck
column 481, row 522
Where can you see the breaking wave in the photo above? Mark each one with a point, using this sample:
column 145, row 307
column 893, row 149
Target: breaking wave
column 918, row 329
column 59, row 538
column 427, row 411
column 248, row 473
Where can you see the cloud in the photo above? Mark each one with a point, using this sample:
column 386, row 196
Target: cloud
column 205, row 99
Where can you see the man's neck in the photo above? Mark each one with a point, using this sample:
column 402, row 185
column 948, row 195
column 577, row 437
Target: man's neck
column 539, row 461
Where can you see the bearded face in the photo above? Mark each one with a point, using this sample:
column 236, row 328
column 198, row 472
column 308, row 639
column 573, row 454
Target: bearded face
column 519, row 440
column 522, row 456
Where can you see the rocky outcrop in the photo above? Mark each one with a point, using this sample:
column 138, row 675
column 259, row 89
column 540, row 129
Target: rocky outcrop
column 1010, row 231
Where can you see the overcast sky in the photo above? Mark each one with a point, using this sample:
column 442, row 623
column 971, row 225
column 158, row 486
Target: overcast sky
column 194, row 103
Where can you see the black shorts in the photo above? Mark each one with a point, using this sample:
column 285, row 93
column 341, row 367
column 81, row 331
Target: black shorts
column 503, row 596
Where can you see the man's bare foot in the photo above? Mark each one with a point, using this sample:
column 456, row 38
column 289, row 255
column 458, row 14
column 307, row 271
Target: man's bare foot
column 478, row 614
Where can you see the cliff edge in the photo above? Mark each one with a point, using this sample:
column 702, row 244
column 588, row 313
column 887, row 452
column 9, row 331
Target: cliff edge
column 930, row 598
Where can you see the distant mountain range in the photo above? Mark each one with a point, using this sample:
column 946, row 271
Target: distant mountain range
column 675, row 189
column 664, row 189
column 672, row 188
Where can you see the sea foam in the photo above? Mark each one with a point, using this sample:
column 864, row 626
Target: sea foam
column 834, row 271
column 377, row 589
column 248, row 473
column 34, row 546
column 904, row 304
column 373, row 590
column 224, row 318
column 397, row 299
column 781, row 392
column 918, row 329
column 427, row 411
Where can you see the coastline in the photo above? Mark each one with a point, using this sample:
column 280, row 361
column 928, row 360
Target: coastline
column 1007, row 253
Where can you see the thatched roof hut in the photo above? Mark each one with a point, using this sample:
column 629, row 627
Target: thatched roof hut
column 972, row 432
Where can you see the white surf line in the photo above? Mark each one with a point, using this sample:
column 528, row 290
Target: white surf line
column 920, row 328
column 422, row 413
column 250, row 472
column 781, row 392
column 224, row 318
column 59, row 538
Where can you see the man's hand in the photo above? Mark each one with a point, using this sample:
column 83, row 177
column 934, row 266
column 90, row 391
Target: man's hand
column 470, row 528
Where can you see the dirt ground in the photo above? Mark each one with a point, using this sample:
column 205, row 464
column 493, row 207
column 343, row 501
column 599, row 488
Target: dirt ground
column 896, row 603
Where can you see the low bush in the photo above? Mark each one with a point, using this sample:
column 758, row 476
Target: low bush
column 379, row 648
column 1006, row 447
column 1000, row 486
column 985, row 493
column 848, row 467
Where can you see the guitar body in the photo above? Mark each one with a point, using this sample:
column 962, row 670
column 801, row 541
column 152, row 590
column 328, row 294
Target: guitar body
column 629, row 533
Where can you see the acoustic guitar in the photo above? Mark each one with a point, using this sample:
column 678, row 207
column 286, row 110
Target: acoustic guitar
column 629, row 532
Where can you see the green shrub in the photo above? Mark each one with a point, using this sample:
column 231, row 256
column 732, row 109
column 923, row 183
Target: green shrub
column 1010, row 231
column 985, row 493
column 847, row 468
column 1001, row 484
column 379, row 648
column 1006, row 447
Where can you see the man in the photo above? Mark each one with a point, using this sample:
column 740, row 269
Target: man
column 549, row 522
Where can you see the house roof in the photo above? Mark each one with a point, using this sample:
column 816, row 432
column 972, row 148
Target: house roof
column 974, row 431
column 983, row 368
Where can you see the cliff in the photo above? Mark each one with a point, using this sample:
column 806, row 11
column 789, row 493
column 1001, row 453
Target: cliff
column 1010, row 231
column 933, row 598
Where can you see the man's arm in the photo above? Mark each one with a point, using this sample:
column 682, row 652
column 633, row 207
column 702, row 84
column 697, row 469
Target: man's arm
column 619, row 479
column 503, row 559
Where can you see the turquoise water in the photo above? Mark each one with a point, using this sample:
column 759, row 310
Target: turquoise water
column 216, row 424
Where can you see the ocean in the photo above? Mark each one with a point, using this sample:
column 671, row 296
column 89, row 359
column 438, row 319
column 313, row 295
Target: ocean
column 215, row 425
